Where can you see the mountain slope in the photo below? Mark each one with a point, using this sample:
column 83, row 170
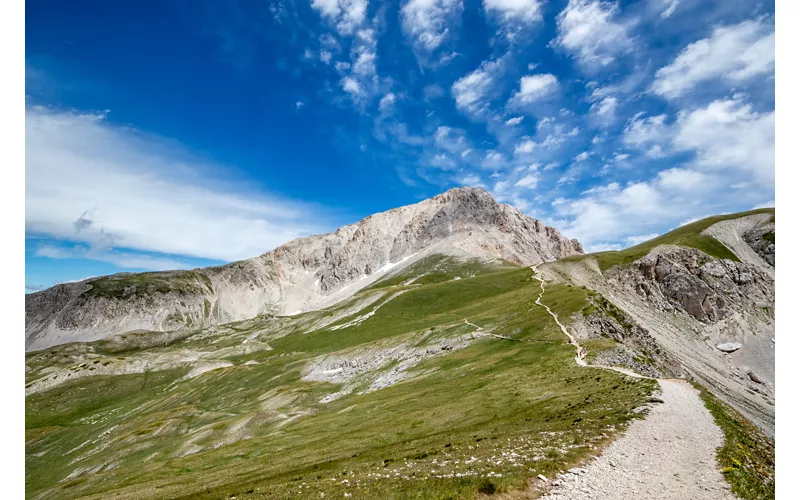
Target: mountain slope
column 450, row 377
column 706, row 294
column 302, row 275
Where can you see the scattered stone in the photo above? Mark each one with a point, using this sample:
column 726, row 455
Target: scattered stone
column 755, row 378
column 542, row 478
column 729, row 346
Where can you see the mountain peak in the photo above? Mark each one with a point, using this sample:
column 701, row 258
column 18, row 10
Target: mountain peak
column 301, row 275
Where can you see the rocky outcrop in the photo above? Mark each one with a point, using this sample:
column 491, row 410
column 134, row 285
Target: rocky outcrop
column 304, row 274
column 688, row 280
column 762, row 240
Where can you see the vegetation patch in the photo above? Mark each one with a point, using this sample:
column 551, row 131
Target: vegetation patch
column 124, row 286
column 748, row 456
column 481, row 420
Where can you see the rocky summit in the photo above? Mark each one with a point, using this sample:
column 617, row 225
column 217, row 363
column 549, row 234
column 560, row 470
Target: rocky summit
column 302, row 275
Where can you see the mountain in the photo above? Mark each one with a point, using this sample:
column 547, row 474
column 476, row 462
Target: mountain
column 452, row 374
column 705, row 293
column 302, row 275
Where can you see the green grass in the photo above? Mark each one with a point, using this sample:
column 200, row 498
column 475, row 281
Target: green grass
column 688, row 235
column 123, row 286
column 452, row 415
column 748, row 456
column 770, row 236
column 439, row 268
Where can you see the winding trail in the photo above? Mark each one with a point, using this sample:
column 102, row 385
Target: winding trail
column 670, row 454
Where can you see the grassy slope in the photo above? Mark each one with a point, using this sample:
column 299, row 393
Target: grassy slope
column 748, row 456
column 123, row 286
column 260, row 431
column 688, row 235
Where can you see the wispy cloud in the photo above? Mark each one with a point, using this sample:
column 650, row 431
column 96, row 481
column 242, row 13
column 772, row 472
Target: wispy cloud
column 736, row 53
column 111, row 187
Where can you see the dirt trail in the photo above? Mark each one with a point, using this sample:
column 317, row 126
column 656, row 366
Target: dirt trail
column 671, row 454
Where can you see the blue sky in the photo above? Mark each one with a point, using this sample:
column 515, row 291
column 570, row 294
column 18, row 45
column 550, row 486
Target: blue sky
column 180, row 134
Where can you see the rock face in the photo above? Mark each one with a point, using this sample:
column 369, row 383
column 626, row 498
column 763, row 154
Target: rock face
column 713, row 317
column 759, row 239
column 687, row 280
column 304, row 274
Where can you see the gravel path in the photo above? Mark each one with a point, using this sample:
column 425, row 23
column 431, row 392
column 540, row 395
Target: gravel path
column 671, row 454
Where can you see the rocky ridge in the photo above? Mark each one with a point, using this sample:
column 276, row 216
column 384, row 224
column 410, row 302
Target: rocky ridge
column 302, row 275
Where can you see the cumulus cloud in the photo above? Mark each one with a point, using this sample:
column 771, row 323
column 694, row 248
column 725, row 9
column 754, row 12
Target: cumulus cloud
column 646, row 131
column 535, row 87
column 150, row 194
column 474, row 91
column 734, row 53
column 588, row 30
column 352, row 87
column 427, row 24
column 604, row 110
column 529, row 181
column 514, row 121
column 527, row 11
column 345, row 15
column 728, row 134
column 386, row 104
column 730, row 143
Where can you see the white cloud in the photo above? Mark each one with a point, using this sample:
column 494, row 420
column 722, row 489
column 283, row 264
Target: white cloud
column 671, row 6
column 143, row 194
column 345, row 15
column 535, row 87
column 735, row 53
column 582, row 156
column 524, row 11
column 427, row 24
column 728, row 134
column 364, row 61
column 325, row 56
column 587, row 30
column 493, row 159
column 299, row 104
column 640, row 238
column 767, row 204
column 126, row 260
column 511, row 122
column 473, row 91
column 452, row 140
column 525, row 147
column 529, row 181
column 642, row 131
column 471, row 180
column 352, row 87
column 605, row 109
column 442, row 161
column 681, row 179
column 386, row 104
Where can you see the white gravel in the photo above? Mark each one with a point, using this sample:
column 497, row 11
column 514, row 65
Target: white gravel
column 671, row 454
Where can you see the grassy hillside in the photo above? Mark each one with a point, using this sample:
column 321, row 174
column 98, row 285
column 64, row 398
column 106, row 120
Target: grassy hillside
column 467, row 417
column 748, row 456
column 688, row 235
